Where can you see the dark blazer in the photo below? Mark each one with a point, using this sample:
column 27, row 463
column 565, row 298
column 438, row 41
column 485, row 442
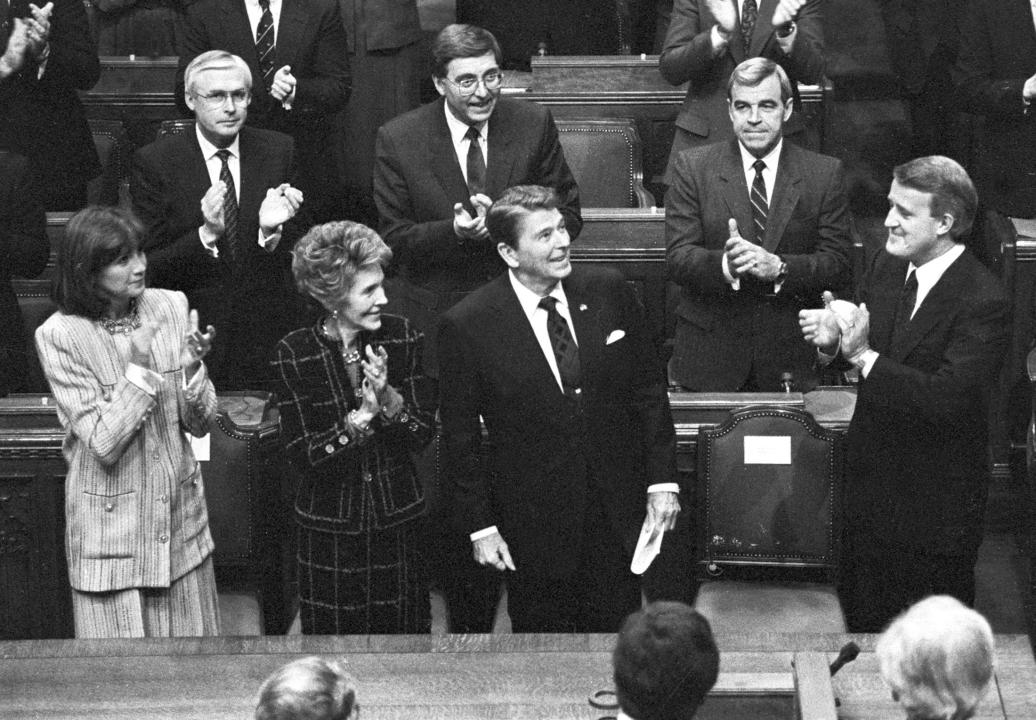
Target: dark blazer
column 43, row 119
column 251, row 300
column 687, row 57
column 341, row 474
column 25, row 249
column 384, row 25
column 546, row 457
column 917, row 465
column 417, row 181
column 997, row 55
column 722, row 333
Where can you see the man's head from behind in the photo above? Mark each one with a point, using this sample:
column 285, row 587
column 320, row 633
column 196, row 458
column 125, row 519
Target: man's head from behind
column 466, row 71
column 932, row 203
column 530, row 236
column 938, row 659
column 218, row 88
column 310, row 688
column 759, row 102
column 665, row 662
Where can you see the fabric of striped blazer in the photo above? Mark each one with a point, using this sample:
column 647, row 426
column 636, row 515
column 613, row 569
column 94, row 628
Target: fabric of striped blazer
column 344, row 478
column 134, row 499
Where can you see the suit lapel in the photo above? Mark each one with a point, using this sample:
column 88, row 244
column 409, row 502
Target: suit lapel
column 442, row 159
column 883, row 299
column 784, row 197
column 290, row 32
column 237, row 33
column 501, row 159
column 735, row 191
column 938, row 304
column 520, row 351
column 252, row 193
column 585, row 309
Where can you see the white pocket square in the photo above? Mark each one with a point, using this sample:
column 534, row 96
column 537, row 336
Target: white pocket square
column 615, row 336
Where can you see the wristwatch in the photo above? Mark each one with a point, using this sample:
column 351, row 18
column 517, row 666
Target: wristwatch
column 787, row 29
column 782, row 272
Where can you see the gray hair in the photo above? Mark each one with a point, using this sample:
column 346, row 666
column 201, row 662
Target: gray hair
column 309, row 688
column 326, row 259
column 753, row 71
column 214, row 60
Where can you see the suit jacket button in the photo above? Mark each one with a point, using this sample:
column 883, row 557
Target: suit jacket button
column 329, row 448
column 163, row 538
column 109, row 507
column 367, row 476
column 343, row 439
column 163, row 498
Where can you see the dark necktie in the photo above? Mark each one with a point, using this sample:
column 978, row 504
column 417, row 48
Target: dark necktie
column 5, row 22
column 229, row 205
column 749, row 13
column 759, row 204
column 476, row 163
column 264, row 48
column 905, row 307
column 566, row 352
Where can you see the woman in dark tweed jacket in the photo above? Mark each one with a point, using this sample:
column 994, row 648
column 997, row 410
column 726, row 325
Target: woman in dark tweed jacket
column 354, row 404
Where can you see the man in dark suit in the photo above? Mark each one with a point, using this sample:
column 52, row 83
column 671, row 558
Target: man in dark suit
column 995, row 76
column 433, row 184
column 301, row 78
column 24, row 248
column 928, row 338
column 559, row 365
column 48, row 54
column 221, row 218
column 707, row 39
column 756, row 228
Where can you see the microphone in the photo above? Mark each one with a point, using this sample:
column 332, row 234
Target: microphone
column 846, row 655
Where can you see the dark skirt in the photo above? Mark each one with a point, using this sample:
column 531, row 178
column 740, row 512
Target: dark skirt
column 375, row 582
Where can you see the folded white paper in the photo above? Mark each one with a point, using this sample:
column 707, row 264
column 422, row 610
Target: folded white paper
column 648, row 546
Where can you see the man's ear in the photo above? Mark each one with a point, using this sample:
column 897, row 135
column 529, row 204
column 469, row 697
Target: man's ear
column 188, row 98
column 946, row 223
column 508, row 254
column 787, row 109
column 440, row 85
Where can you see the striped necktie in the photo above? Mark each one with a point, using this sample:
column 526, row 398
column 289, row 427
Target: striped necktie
column 230, row 209
column 759, row 204
column 264, row 43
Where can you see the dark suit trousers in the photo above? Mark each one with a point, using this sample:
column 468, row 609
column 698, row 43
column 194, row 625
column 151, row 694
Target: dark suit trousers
column 596, row 599
column 879, row 582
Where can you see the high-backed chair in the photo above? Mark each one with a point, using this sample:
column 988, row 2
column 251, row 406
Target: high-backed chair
column 111, row 187
column 36, row 306
column 180, row 126
column 606, row 159
column 769, row 498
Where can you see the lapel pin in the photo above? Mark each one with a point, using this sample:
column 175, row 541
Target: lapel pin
column 582, row 307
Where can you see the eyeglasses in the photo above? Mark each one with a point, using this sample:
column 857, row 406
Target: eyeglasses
column 468, row 84
column 219, row 99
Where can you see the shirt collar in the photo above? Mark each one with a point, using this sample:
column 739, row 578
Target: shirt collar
column 208, row 150
column 529, row 300
column 929, row 273
column 459, row 129
column 770, row 158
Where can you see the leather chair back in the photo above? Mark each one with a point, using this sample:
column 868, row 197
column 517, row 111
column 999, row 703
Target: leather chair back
column 605, row 156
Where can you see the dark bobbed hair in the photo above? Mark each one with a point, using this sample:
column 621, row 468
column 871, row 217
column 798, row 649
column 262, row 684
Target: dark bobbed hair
column 504, row 218
column 948, row 183
column 753, row 71
column 95, row 237
column 665, row 662
column 462, row 41
column 310, row 688
column 326, row 259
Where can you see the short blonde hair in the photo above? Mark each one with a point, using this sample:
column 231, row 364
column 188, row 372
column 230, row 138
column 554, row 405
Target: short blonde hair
column 325, row 260
column 310, row 688
column 214, row 60
column 938, row 658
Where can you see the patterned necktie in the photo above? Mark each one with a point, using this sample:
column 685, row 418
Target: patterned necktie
column 229, row 205
column 905, row 307
column 566, row 352
column 749, row 13
column 476, row 162
column 264, row 47
column 759, row 204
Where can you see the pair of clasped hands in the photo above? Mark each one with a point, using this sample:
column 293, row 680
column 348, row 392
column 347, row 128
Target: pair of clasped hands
column 28, row 39
column 839, row 326
column 726, row 14
column 280, row 205
column 196, row 345
column 467, row 227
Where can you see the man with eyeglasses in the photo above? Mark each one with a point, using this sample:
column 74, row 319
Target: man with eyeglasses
column 222, row 213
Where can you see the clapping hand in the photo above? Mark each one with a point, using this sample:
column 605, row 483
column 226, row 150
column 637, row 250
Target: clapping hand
column 196, row 345
column 17, row 48
column 38, row 28
column 467, row 227
column 282, row 88
column 375, row 371
column 747, row 258
column 280, row 205
column 212, row 207
column 786, row 11
column 725, row 13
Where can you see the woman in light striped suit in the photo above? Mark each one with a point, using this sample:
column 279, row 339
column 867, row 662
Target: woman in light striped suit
column 125, row 366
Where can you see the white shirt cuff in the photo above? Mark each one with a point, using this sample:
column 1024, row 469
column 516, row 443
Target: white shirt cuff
column 484, row 532
column 192, row 388
column 866, row 362
column 664, row 487
column 269, row 243
column 147, row 380
column 786, row 43
column 208, row 240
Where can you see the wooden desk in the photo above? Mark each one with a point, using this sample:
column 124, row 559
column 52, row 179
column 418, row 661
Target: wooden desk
column 453, row 676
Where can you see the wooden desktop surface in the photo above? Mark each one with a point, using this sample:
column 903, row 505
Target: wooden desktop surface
column 452, row 676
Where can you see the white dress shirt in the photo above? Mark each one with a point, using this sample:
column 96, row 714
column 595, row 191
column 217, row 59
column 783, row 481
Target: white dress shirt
column 255, row 12
column 458, row 130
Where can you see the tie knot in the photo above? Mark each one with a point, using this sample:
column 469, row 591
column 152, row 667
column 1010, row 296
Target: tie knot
column 759, row 166
column 549, row 303
column 223, row 155
column 264, row 4
column 472, row 134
